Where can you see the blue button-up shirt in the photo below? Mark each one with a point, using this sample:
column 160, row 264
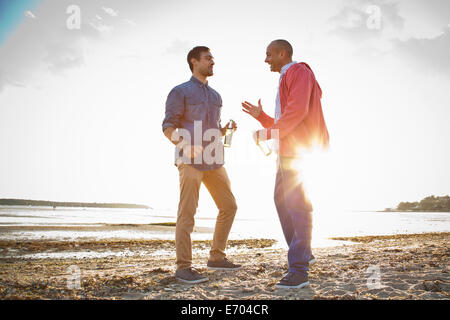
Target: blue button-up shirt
column 194, row 101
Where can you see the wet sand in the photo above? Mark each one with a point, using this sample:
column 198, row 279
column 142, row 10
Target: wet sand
column 410, row 267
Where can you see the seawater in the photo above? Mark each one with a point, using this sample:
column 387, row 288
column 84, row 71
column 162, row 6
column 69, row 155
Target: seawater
column 325, row 224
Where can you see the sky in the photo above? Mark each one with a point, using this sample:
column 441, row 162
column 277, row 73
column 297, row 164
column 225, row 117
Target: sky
column 83, row 91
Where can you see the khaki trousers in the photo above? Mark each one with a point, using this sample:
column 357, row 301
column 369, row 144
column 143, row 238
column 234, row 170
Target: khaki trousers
column 218, row 185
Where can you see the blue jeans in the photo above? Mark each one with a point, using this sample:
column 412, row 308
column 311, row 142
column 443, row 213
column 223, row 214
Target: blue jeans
column 294, row 211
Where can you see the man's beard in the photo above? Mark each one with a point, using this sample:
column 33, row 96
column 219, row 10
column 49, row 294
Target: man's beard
column 207, row 73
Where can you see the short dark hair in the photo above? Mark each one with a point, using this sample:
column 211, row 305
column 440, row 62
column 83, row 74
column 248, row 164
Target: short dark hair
column 284, row 45
column 195, row 53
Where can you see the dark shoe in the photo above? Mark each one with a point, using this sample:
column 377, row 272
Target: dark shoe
column 225, row 264
column 293, row 281
column 190, row 275
column 310, row 262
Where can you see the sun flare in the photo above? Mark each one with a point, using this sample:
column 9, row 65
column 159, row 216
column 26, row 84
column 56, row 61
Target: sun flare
column 312, row 174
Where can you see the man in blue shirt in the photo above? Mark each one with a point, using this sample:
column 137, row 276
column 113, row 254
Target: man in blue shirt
column 192, row 123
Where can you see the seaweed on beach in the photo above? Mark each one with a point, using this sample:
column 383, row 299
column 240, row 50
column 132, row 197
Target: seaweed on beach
column 410, row 267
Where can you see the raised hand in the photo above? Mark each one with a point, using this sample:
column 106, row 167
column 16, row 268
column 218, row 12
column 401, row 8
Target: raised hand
column 251, row 109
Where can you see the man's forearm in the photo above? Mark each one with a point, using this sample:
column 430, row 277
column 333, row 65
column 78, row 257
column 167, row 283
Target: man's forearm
column 171, row 133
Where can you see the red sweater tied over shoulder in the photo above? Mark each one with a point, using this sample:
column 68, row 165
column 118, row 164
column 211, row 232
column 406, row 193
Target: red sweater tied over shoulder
column 302, row 124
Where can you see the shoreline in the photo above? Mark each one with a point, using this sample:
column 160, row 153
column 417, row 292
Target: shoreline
column 413, row 266
column 163, row 226
column 418, row 211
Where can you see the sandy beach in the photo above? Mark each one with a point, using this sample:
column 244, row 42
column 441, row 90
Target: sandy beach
column 373, row 267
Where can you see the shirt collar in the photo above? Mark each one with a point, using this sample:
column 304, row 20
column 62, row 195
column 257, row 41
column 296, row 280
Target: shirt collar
column 194, row 79
column 287, row 66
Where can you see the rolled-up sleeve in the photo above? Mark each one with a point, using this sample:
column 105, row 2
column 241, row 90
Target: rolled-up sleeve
column 174, row 109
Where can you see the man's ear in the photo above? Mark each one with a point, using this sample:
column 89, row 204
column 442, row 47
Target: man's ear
column 192, row 61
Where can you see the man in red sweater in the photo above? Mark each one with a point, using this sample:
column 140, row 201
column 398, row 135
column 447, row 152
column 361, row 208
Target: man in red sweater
column 300, row 126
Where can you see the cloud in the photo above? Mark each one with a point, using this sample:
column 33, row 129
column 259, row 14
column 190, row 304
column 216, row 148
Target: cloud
column 110, row 11
column 427, row 54
column 61, row 56
column 401, row 31
column 29, row 14
column 179, row 47
column 35, row 49
column 355, row 20
column 101, row 27
column 13, row 82
column 129, row 22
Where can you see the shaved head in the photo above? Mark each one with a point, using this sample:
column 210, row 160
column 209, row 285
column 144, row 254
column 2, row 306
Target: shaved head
column 281, row 44
column 278, row 54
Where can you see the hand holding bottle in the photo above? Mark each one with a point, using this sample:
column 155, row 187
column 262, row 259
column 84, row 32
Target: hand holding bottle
column 230, row 127
column 262, row 144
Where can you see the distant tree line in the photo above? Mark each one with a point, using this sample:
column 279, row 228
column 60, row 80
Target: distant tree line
column 432, row 203
column 42, row 203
